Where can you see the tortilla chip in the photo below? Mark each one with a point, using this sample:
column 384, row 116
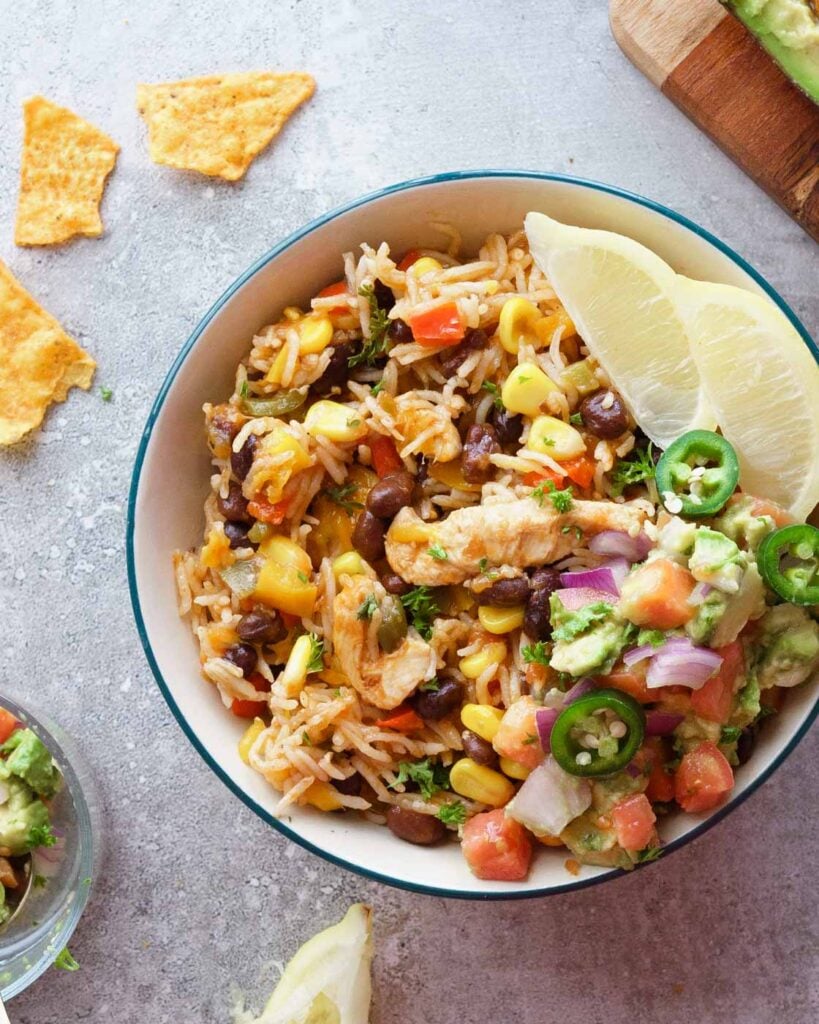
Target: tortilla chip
column 38, row 361
column 62, row 175
column 218, row 124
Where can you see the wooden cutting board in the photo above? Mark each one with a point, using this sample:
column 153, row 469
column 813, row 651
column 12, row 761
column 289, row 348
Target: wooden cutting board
column 705, row 60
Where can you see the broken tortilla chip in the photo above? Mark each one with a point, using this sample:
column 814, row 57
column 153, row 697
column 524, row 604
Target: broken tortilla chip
column 219, row 123
column 62, row 175
column 39, row 362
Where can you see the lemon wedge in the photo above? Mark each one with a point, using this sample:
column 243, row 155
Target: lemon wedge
column 763, row 384
column 620, row 295
column 328, row 980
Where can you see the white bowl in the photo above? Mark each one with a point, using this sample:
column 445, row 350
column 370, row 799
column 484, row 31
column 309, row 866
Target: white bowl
column 172, row 470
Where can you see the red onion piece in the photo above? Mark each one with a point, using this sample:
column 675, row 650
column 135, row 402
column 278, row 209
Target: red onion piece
column 615, row 542
column 578, row 597
column 699, row 594
column 639, row 654
column 579, row 690
column 601, row 578
column 662, row 723
column 620, row 568
column 545, row 719
column 679, row 663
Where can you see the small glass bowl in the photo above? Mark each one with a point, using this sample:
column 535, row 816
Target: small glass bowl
column 49, row 913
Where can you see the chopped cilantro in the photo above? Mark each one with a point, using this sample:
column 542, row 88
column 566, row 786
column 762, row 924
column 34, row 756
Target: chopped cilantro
column 65, row 961
column 343, row 496
column 354, row 422
column 430, row 777
column 631, row 471
column 655, row 637
column 547, row 441
column 422, row 607
column 244, row 390
column 438, row 553
column 649, row 854
column 495, row 391
column 367, row 608
column 536, row 653
column 39, row 881
column 431, row 685
column 730, row 734
column 301, row 575
column 316, row 662
column 305, row 739
column 377, row 344
column 576, row 419
column 41, row 835
column 530, row 739
column 106, row 394
column 483, row 564
column 453, row 813
column 562, row 500
column 571, row 624
column 376, row 389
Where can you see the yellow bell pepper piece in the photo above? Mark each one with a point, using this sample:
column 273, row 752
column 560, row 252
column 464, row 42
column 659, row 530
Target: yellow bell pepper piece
column 477, row 782
column 323, row 796
column 555, row 438
column 546, row 327
column 451, row 475
column 334, row 421
column 412, row 533
column 249, row 737
column 216, row 553
column 526, row 388
column 277, row 442
column 518, row 318
column 500, row 620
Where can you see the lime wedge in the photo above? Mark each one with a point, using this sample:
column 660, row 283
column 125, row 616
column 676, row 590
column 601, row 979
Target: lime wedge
column 328, row 980
column 621, row 297
column 764, row 386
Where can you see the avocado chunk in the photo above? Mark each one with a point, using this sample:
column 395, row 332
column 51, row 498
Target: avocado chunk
column 788, row 647
column 744, row 528
column 701, row 627
column 587, row 640
column 22, row 812
column 28, row 758
column 717, row 560
column 789, row 31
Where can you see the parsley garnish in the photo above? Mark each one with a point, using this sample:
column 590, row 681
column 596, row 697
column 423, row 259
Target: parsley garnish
column 376, row 389
column 453, row 813
column 305, row 739
column 430, row 777
column 431, row 685
column 423, row 608
column 39, row 881
column 65, row 961
column 483, row 564
column 655, row 637
column 377, row 344
column 244, row 390
column 301, row 575
column 343, row 496
column 577, row 622
column 316, row 662
column 41, row 835
column 730, row 734
column 537, row 653
column 562, row 500
column 106, row 394
column 438, row 553
column 367, row 608
column 576, row 419
column 495, row 391
column 631, row 471
column 530, row 739
column 652, row 853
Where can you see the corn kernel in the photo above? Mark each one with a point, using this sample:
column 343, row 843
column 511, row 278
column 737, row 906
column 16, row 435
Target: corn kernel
column 555, row 438
column 517, row 323
column 292, row 313
column 500, row 620
column 477, row 782
column 294, row 676
column 412, row 533
column 526, row 388
column 426, row 265
column 334, row 421
column 475, row 665
column 315, row 334
column 350, row 563
column 514, row 769
column 276, row 372
column 546, row 327
column 323, row 796
column 249, row 737
column 284, row 580
column 482, row 720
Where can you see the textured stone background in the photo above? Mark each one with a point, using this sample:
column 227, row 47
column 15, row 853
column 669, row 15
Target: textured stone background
column 197, row 892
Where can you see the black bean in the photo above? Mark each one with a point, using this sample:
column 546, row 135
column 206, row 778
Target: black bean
column 336, row 372
column 383, row 295
column 435, row 704
column 412, row 827
column 451, row 358
column 240, row 461
column 243, row 656
column 746, row 743
column 508, row 426
column 481, row 442
column 368, row 536
column 546, row 579
column 394, row 584
column 480, row 750
column 236, row 533
column 391, row 494
column 351, row 786
column 399, row 332
column 505, row 593
column 234, row 506
column 604, row 422
column 536, row 622
column 261, row 627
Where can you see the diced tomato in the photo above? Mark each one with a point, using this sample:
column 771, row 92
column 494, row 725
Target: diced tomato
column 703, row 779
column 632, row 683
column 715, row 699
column 268, row 512
column 385, row 455
column 656, row 595
column 581, row 470
column 404, row 720
column 764, row 507
column 517, row 735
column 410, row 256
column 653, row 756
column 542, row 475
column 338, row 288
column 247, row 708
column 497, row 848
column 438, row 327
column 259, row 682
column 8, row 723
column 634, row 821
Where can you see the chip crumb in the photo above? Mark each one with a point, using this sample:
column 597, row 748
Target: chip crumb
column 218, row 124
column 39, row 362
column 63, row 169
column 572, row 866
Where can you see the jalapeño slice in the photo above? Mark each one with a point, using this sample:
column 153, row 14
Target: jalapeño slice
column 577, row 729
column 788, row 560
column 698, row 473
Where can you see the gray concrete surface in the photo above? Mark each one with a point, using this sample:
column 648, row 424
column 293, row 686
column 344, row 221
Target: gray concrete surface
column 198, row 893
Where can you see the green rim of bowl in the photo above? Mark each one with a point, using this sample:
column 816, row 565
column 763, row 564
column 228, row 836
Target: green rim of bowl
column 280, row 247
